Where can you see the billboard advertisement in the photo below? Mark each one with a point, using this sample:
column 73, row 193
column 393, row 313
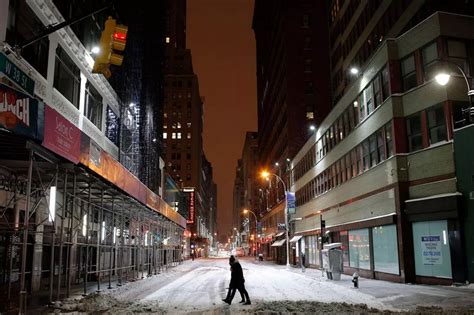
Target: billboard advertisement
column 20, row 113
column 61, row 136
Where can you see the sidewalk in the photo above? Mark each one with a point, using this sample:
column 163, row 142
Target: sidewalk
column 397, row 296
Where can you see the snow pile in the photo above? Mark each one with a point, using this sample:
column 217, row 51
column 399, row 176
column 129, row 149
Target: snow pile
column 105, row 303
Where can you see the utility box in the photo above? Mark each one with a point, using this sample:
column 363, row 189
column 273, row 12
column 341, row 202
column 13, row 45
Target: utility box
column 332, row 260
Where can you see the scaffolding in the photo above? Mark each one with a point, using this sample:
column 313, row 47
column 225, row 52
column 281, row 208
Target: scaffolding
column 63, row 229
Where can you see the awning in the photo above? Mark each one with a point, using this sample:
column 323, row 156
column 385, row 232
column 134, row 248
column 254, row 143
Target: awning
column 278, row 243
column 296, row 238
column 280, row 234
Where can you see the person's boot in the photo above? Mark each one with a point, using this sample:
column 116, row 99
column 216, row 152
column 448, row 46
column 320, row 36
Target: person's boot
column 242, row 301
column 248, row 302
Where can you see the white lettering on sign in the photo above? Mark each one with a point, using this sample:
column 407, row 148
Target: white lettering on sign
column 19, row 107
column 62, row 129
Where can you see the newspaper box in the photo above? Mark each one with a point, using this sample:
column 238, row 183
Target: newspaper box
column 332, row 260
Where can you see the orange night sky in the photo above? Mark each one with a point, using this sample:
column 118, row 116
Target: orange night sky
column 221, row 39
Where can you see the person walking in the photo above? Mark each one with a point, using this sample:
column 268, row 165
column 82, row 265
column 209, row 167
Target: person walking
column 237, row 283
column 232, row 283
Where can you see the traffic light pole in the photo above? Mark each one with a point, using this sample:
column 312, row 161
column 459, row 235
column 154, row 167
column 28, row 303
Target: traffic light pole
column 51, row 29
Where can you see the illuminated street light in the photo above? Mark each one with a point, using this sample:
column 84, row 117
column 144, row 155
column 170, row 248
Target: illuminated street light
column 312, row 127
column 256, row 223
column 265, row 174
column 354, row 70
column 442, row 78
column 95, row 50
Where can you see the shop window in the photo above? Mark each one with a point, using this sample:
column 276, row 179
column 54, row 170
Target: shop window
column 93, row 105
column 408, row 73
column 414, row 133
column 431, row 249
column 359, row 249
column 430, row 58
column 344, row 239
column 385, row 249
column 436, row 124
column 67, row 77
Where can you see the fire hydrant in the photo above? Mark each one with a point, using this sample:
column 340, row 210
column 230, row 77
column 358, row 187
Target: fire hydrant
column 355, row 280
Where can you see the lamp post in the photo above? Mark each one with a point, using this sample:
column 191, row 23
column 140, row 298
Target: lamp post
column 265, row 175
column 443, row 78
column 256, row 223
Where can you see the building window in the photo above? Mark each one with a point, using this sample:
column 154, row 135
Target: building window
column 368, row 99
column 408, row 72
column 306, row 21
column 414, row 133
column 173, row 135
column 178, row 135
column 307, row 43
column 374, row 157
column 67, row 77
column 436, row 124
column 188, row 136
column 388, row 140
column 430, row 57
column 457, row 53
column 165, row 135
column 310, row 115
column 308, row 66
column 385, row 247
column 359, row 249
column 366, row 154
column 385, row 83
column 167, row 40
column 377, row 91
column 22, row 24
column 93, row 105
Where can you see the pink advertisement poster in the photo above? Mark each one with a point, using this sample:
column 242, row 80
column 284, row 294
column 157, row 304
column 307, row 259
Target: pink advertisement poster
column 61, row 136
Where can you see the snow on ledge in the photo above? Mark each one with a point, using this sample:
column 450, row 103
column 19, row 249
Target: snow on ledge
column 435, row 197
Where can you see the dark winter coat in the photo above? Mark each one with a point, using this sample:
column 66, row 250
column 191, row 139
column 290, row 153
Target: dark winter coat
column 237, row 275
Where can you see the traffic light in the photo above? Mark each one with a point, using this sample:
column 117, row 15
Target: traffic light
column 114, row 37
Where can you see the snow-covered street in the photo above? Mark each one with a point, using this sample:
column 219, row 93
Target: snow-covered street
column 199, row 287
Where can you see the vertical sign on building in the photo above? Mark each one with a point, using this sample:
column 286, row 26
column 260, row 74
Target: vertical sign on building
column 291, row 202
column 191, row 212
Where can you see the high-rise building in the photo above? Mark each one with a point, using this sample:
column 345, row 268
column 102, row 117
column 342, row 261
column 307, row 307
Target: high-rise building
column 357, row 28
column 238, row 196
column 293, row 92
column 387, row 173
column 183, row 126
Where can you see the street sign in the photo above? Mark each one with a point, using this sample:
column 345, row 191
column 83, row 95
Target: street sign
column 16, row 75
column 281, row 227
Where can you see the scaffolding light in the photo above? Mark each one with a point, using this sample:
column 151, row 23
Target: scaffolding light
column 84, row 225
column 102, row 233
column 52, row 203
column 95, row 50
column 146, row 238
column 115, row 235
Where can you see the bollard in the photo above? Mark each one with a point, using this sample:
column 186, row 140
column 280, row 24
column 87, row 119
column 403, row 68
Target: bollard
column 355, row 280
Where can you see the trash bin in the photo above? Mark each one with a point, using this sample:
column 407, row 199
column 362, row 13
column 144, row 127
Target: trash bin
column 332, row 260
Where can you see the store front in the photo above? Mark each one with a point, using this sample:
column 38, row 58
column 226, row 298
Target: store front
column 437, row 244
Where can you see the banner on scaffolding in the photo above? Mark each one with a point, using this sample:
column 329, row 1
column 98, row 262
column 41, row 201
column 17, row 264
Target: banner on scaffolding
column 20, row 113
column 61, row 136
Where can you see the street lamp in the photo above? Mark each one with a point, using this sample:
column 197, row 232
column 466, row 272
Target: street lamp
column 266, row 175
column 256, row 223
column 442, row 78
